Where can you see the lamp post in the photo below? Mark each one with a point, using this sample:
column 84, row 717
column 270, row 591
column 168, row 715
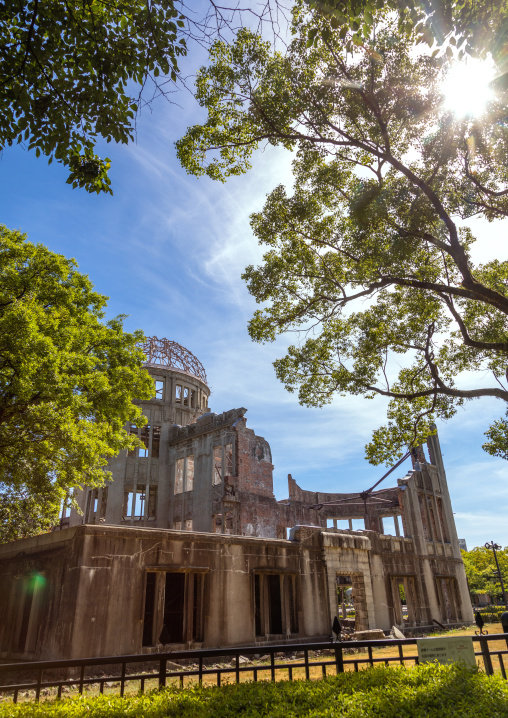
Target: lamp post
column 496, row 547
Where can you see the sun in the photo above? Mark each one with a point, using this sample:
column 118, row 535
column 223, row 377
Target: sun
column 466, row 87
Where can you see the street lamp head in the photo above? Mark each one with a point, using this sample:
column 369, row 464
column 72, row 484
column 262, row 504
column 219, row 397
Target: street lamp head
column 492, row 545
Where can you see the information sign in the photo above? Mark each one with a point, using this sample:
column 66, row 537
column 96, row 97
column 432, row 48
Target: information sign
column 447, row 649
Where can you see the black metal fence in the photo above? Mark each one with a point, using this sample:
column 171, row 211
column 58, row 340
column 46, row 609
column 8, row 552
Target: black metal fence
column 30, row 681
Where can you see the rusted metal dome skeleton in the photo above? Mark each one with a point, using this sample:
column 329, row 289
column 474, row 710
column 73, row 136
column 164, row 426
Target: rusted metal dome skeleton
column 165, row 352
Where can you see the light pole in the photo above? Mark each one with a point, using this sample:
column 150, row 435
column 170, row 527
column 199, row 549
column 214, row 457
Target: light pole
column 496, row 547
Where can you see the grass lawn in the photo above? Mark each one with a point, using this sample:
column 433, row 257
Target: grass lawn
column 427, row 691
column 111, row 688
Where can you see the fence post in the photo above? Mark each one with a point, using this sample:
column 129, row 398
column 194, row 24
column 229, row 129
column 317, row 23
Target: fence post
column 162, row 673
column 339, row 661
column 487, row 661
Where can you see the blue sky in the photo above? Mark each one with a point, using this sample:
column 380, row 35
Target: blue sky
column 168, row 249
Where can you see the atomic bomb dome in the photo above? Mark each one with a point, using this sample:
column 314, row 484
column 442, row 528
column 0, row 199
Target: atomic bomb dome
column 164, row 352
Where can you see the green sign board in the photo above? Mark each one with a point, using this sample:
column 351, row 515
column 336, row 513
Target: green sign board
column 449, row 649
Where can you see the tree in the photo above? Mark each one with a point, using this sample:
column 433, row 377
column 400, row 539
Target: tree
column 74, row 72
column 481, row 570
column 366, row 258
column 475, row 28
column 67, row 379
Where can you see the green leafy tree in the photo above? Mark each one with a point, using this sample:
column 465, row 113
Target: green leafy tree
column 67, row 380
column 74, row 73
column 481, row 570
column 365, row 257
column 475, row 28
column 68, row 70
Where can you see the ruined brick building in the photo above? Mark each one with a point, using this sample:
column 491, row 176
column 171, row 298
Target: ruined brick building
column 189, row 546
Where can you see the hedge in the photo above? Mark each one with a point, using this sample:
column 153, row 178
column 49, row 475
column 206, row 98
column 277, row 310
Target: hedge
column 427, row 691
column 491, row 614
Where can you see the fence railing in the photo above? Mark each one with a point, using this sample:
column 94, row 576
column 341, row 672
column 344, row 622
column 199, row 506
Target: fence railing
column 31, row 680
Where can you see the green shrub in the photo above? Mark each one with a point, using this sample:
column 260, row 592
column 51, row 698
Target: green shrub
column 427, row 691
column 491, row 614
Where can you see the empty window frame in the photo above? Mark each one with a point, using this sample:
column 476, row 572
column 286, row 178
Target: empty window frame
column 442, row 521
column 217, row 523
column 193, row 398
column 189, row 473
column 448, row 599
column 404, row 599
column 156, row 440
column 134, row 502
column 159, row 389
column 133, row 430
column 185, row 396
column 217, row 465
column 152, row 502
column 177, row 616
column 228, row 452
column 145, row 438
column 66, row 507
column 104, row 503
column 391, row 526
column 203, row 402
column 275, row 604
column 344, row 585
column 92, row 502
column 179, row 476
column 178, row 394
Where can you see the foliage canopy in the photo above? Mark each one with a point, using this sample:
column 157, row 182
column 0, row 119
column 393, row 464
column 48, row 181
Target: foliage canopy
column 67, row 380
column 74, row 73
column 474, row 28
column 481, row 570
column 67, row 74
column 367, row 257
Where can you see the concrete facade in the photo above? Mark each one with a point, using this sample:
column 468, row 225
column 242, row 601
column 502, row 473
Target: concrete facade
column 188, row 546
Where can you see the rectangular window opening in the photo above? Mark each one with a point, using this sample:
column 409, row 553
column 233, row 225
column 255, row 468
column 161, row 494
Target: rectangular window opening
column 390, row 526
column 217, row 465
column 145, row 438
column 293, row 614
column 148, row 620
column 229, row 459
column 179, row 476
column 136, row 511
column 189, row 477
column 174, row 604
column 275, row 604
column 178, row 394
column 152, row 502
column 257, row 604
column 344, row 586
column 185, row 396
column 403, row 600
column 133, row 430
column 197, row 608
column 104, row 503
column 159, row 389
column 156, row 440
column 193, row 399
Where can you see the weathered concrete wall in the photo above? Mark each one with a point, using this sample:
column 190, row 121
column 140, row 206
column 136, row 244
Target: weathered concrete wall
column 93, row 601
